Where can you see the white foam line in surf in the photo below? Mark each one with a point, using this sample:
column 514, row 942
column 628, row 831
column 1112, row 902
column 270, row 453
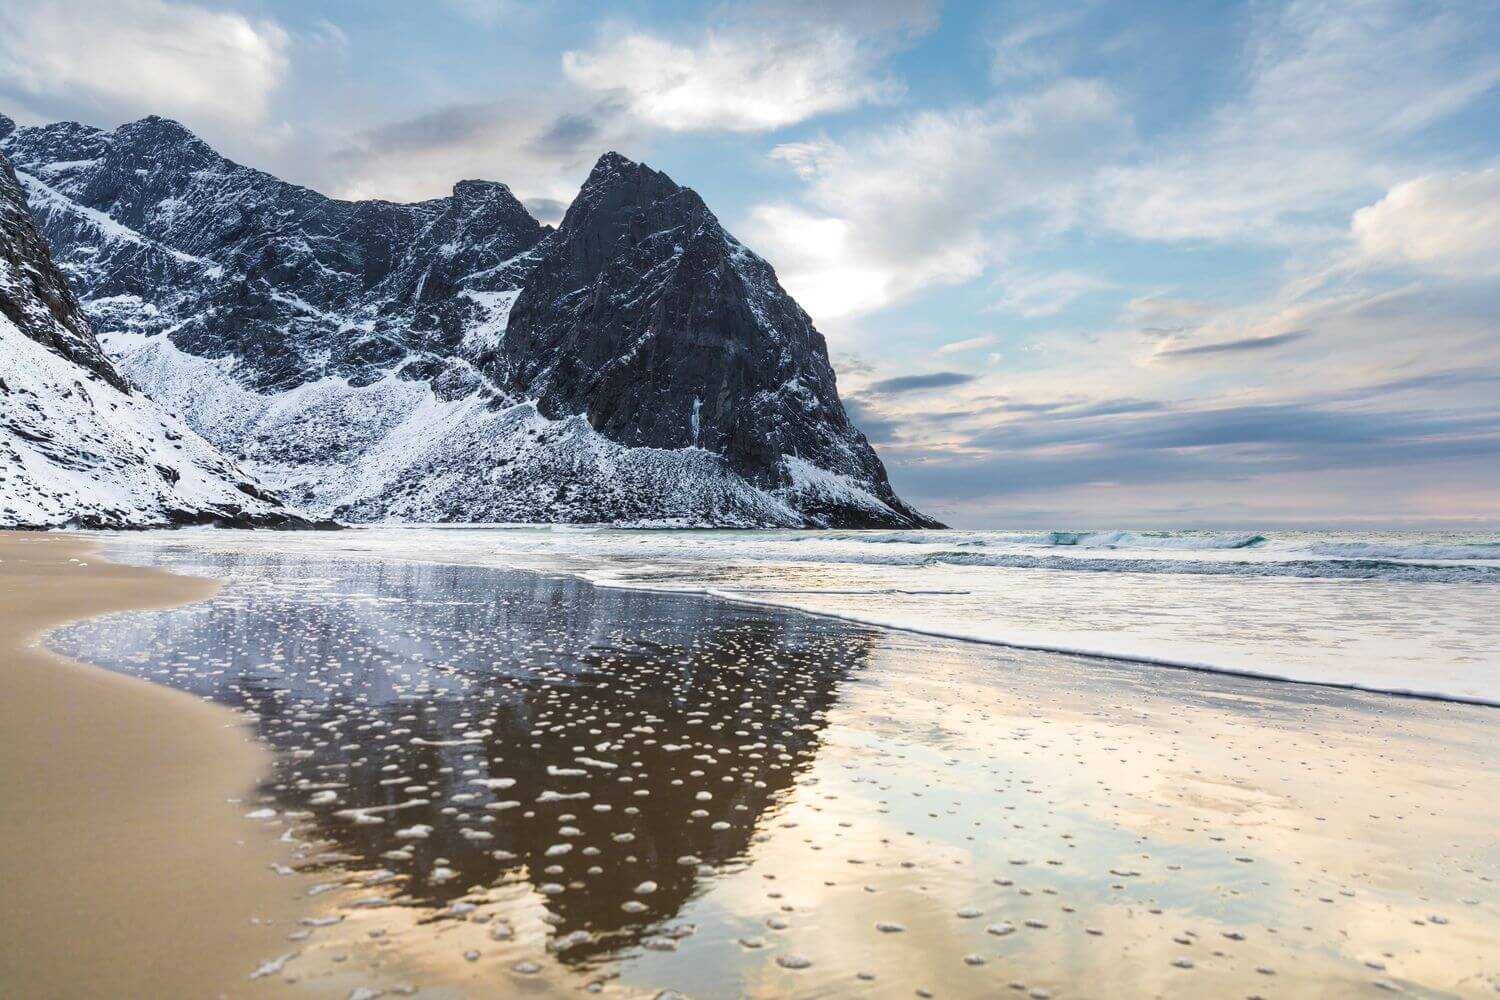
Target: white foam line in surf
column 1197, row 666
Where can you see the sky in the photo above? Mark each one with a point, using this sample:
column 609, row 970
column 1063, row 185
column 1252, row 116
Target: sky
column 1078, row 264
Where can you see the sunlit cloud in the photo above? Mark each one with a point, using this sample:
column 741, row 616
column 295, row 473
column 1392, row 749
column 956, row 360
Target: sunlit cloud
column 734, row 82
column 915, row 205
column 1444, row 223
column 138, row 57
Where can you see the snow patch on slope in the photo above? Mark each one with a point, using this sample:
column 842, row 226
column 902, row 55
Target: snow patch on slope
column 488, row 333
column 76, row 450
column 396, row 450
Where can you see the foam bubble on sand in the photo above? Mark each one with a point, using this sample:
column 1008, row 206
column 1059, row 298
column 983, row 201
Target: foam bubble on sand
column 273, row 966
column 493, row 784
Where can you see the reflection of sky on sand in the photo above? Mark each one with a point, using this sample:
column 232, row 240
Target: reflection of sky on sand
column 1011, row 819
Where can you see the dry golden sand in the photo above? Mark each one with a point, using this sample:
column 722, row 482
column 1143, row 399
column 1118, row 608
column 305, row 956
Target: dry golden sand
column 127, row 870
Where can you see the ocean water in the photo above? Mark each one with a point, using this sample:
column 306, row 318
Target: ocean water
column 1393, row 612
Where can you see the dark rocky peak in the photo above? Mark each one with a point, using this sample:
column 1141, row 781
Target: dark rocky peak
column 161, row 133
column 645, row 316
column 153, row 152
column 487, row 211
column 33, row 293
column 623, row 203
column 476, row 191
column 30, row 146
column 7, row 126
column 619, row 179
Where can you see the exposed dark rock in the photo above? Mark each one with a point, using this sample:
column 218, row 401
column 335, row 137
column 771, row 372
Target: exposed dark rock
column 34, row 295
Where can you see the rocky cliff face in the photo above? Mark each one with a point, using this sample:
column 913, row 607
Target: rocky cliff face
column 78, row 445
column 453, row 359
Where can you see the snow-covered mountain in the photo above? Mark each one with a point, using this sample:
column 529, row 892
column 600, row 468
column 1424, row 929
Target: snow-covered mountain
column 453, row 360
column 78, row 445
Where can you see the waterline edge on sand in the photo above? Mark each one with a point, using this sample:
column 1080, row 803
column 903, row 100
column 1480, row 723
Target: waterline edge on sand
column 130, row 868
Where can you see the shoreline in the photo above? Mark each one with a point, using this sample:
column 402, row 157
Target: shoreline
column 1181, row 835
column 1084, row 654
column 589, row 576
column 130, row 868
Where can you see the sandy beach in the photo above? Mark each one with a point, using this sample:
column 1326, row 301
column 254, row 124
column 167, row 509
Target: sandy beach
column 128, row 871
column 498, row 781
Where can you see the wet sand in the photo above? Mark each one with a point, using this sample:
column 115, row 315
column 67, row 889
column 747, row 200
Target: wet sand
column 503, row 783
column 126, row 871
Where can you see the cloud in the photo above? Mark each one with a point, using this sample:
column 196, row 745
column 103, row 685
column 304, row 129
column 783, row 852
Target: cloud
column 125, row 58
column 325, row 37
column 1092, row 452
column 1033, row 46
column 959, row 346
column 1032, row 294
column 917, row 383
column 1162, row 315
column 1331, row 89
column 760, row 70
column 1241, row 345
column 548, row 210
column 541, row 148
column 916, row 204
column 1446, row 224
column 804, row 157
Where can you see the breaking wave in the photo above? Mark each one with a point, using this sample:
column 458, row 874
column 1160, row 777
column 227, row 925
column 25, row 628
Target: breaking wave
column 1152, row 540
column 1411, row 550
column 1338, row 569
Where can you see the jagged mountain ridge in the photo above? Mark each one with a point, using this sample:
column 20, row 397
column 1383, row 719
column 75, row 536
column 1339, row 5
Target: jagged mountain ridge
column 453, row 359
column 164, row 234
column 78, row 446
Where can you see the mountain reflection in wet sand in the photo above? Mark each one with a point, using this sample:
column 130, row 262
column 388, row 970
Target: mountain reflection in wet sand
column 603, row 746
column 501, row 778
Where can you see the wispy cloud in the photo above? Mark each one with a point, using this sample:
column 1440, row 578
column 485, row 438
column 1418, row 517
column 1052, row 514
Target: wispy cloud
column 729, row 82
column 1033, row 294
column 1331, row 88
column 917, row 383
column 960, row 346
column 1241, row 345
